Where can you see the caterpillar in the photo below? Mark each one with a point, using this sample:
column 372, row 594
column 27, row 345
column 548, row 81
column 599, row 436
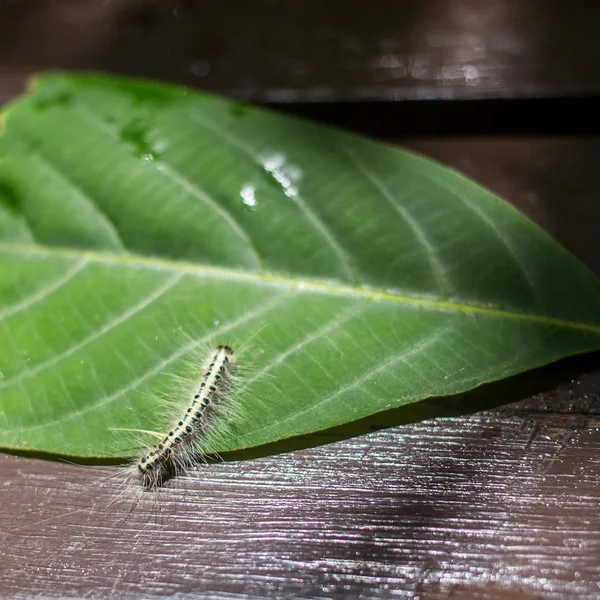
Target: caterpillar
column 176, row 450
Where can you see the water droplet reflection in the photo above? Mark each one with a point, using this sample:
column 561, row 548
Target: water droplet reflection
column 284, row 173
column 248, row 196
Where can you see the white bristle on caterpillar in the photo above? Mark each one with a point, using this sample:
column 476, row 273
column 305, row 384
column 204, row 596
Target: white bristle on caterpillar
column 177, row 449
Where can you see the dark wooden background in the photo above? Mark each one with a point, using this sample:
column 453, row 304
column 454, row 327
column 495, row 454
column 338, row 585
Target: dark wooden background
column 500, row 503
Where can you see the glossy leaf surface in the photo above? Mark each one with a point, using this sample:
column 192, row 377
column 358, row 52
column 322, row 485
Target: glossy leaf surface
column 140, row 222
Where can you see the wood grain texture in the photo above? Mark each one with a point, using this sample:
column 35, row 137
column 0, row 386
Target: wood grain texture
column 498, row 504
column 471, row 507
column 282, row 51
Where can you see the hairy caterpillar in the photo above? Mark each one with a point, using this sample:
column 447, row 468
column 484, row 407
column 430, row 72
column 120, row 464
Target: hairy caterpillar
column 177, row 449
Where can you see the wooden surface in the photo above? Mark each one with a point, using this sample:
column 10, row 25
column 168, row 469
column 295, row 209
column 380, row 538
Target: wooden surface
column 314, row 51
column 500, row 503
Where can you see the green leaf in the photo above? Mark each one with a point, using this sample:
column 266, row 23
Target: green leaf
column 139, row 222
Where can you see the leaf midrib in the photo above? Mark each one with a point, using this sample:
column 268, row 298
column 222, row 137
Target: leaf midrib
column 304, row 285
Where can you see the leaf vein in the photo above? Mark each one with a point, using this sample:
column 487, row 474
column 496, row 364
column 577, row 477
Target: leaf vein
column 102, row 218
column 490, row 224
column 43, row 292
column 138, row 307
column 430, row 251
column 328, row 327
column 169, row 171
column 308, row 211
column 243, row 318
column 416, row 348
column 137, row 261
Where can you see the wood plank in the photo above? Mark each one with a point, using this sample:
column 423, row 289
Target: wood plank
column 471, row 506
column 314, row 51
column 502, row 503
